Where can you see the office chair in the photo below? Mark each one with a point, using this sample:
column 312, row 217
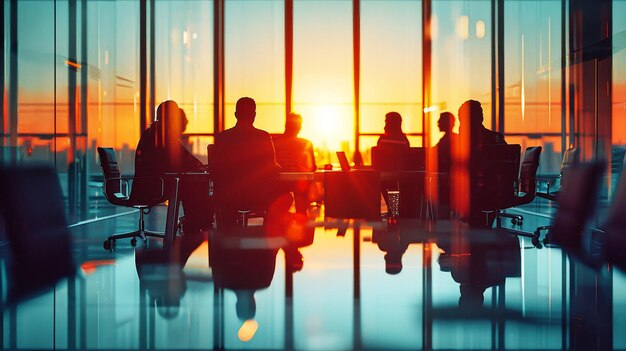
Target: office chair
column 117, row 191
column 496, row 178
column 576, row 204
column 40, row 247
column 570, row 158
column 527, row 184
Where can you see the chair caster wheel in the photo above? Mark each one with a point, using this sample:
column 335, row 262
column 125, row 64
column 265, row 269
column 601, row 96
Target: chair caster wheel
column 109, row 245
column 520, row 222
column 536, row 242
column 133, row 242
column 514, row 221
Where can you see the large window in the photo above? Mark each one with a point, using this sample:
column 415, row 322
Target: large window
column 184, row 65
column 391, row 67
column 254, row 61
column 323, row 89
column 532, row 54
column 461, row 56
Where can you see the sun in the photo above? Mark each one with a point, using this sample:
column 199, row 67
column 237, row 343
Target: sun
column 328, row 125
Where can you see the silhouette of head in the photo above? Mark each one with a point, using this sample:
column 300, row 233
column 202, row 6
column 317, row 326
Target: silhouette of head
column 170, row 120
column 245, row 110
column 472, row 296
column 471, row 115
column 393, row 262
column 245, row 305
column 293, row 124
column 446, row 122
column 393, row 123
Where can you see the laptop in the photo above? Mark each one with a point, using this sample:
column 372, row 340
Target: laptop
column 343, row 161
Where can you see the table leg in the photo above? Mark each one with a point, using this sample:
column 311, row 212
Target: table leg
column 172, row 215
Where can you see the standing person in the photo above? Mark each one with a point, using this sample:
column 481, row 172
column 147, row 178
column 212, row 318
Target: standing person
column 296, row 155
column 245, row 168
column 161, row 151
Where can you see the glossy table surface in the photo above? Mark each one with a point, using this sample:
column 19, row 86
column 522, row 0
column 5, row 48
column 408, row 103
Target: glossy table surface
column 325, row 284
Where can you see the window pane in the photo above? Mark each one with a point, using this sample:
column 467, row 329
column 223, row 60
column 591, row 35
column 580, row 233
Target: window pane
column 255, row 60
column 461, row 58
column 323, row 90
column 184, row 60
column 391, row 64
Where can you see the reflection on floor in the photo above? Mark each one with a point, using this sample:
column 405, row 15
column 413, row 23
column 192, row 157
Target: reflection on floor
column 334, row 285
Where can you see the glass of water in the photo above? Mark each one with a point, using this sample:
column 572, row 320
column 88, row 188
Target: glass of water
column 393, row 196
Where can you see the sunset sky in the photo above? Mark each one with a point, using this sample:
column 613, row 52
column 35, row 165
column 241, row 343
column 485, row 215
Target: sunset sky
column 323, row 71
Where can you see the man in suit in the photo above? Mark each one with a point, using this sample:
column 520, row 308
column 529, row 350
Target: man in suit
column 470, row 164
column 160, row 151
column 296, row 155
column 245, row 167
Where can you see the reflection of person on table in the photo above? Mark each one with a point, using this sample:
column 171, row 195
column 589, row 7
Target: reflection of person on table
column 246, row 169
column 391, row 243
column 469, row 161
column 296, row 155
column 161, row 151
column 477, row 264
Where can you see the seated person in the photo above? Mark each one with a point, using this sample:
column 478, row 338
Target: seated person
column 160, row 151
column 394, row 148
column 470, row 163
column 296, row 155
column 445, row 144
column 245, row 168
column 443, row 151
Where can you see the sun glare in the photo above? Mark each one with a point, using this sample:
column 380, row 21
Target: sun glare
column 328, row 125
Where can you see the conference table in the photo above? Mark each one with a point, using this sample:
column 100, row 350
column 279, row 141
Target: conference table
column 286, row 178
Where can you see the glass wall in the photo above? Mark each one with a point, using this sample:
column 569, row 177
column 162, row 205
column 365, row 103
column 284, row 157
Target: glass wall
column 461, row 56
column 73, row 81
column 391, row 68
column 532, row 66
column 323, row 90
column 255, row 60
column 183, row 63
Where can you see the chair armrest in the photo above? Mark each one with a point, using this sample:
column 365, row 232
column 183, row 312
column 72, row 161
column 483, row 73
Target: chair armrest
column 117, row 190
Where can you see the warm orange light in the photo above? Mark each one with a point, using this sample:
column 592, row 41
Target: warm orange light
column 330, row 126
column 73, row 64
column 247, row 330
column 90, row 267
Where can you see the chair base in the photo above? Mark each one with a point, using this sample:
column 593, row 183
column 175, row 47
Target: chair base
column 109, row 243
column 515, row 218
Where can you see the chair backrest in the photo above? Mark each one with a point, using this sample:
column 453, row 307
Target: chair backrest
column 528, row 174
column 571, row 157
column 110, row 170
column 389, row 158
column 576, row 203
column 108, row 162
column 496, row 176
column 40, row 245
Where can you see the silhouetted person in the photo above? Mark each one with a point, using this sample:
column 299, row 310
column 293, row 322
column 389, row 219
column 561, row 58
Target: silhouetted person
column 444, row 149
column 470, row 163
column 246, row 169
column 478, row 263
column 394, row 136
column 296, row 155
column 445, row 145
column 393, row 155
column 161, row 151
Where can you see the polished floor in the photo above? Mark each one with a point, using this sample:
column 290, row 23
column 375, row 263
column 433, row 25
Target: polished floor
column 325, row 285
